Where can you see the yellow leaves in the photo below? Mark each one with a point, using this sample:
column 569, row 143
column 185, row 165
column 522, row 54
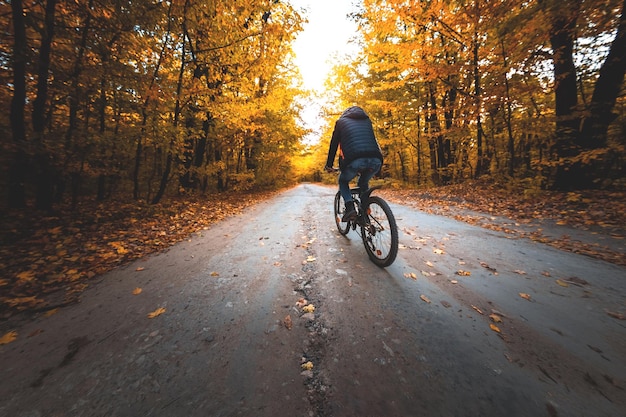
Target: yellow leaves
column 8, row 337
column 494, row 328
column 309, row 308
column 215, row 274
column 562, row 283
column 137, row 291
column 119, row 247
column 438, row 251
column 463, row 273
column 156, row 313
column 425, row 299
column 410, row 275
column 307, row 366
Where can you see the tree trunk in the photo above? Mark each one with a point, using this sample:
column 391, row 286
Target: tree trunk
column 43, row 160
column 608, row 86
column 177, row 111
column 18, row 167
column 565, row 91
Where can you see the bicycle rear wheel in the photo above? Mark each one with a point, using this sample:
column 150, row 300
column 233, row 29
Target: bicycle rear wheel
column 380, row 233
column 340, row 208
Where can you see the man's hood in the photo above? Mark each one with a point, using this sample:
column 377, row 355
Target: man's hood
column 355, row 112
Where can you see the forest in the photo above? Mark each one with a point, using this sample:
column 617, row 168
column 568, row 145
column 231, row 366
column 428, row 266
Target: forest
column 132, row 100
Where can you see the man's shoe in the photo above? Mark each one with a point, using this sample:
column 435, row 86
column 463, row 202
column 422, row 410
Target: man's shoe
column 350, row 213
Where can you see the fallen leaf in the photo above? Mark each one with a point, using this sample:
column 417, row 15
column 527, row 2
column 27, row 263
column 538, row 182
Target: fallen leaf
column 140, row 268
column 307, row 366
column 26, row 276
column 524, row 296
column 287, row 322
column 8, row 337
column 277, row 263
column 429, row 263
column 546, row 274
column 477, row 309
column 519, row 271
column 156, row 313
column 463, row 273
column 454, row 281
column 438, row 251
column 486, row 266
column 51, row 312
column 411, row 275
column 301, row 302
column 310, row 259
column 215, row 274
column 308, row 308
column 494, row 328
column 424, row 298
column 562, row 283
column 137, row 291
column 615, row 315
column 495, row 318
column 576, row 281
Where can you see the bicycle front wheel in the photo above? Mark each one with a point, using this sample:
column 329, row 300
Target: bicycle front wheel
column 380, row 233
column 343, row 227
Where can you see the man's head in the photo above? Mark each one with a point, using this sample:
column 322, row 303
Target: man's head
column 355, row 112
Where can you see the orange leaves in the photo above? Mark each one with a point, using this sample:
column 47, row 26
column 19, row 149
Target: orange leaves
column 156, row 313
column 26, row 276
column 494, row 328
column 524, row 296
column 8, row 337
column 137, row 291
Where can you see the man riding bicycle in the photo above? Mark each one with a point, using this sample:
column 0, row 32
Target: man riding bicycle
column 359, row 153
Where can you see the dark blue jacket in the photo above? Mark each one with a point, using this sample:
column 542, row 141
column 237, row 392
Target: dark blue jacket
column 354, row 136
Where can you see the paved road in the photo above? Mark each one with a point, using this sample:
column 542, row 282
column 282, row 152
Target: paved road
column 413, row 339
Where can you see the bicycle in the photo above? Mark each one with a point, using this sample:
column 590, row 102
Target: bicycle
column 375, row 222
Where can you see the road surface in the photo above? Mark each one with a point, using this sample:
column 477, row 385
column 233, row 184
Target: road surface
column 466, row 322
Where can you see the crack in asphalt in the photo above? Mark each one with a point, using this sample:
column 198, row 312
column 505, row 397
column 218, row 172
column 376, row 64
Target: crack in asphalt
column 314, row 350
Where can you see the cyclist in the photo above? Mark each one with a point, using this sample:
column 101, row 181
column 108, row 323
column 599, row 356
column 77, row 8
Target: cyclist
column 359, row 153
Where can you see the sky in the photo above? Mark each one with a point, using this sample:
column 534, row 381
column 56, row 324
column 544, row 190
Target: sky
column 326, row 35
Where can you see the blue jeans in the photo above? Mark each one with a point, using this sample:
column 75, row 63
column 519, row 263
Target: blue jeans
column 367, row 167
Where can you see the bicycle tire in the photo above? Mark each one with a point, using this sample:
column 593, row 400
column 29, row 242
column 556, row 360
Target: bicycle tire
column 380, row 235
column 343, row 227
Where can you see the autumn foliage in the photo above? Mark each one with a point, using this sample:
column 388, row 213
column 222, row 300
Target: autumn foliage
column 144, row 98
column 523, row 90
